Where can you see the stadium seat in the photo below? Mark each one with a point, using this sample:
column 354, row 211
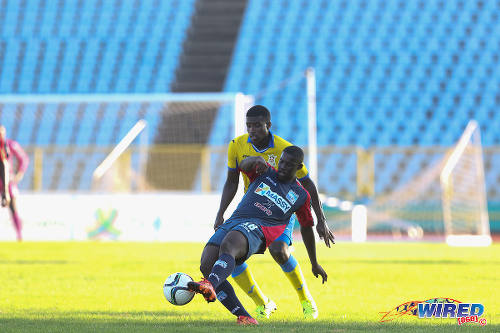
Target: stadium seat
column 388, row 73
column 63, row 47
column 388, row 60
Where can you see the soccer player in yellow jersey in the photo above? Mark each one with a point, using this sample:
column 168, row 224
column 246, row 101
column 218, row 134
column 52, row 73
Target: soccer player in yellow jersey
column 261, row 142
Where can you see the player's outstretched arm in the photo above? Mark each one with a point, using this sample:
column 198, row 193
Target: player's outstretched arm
column 310, row 243
column 322, row 228
column 228, row 193
column 254, row 163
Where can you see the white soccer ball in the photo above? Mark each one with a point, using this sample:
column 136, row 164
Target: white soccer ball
column 175, row 289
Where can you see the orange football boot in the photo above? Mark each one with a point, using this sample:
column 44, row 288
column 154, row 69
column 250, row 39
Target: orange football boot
column 203, row 287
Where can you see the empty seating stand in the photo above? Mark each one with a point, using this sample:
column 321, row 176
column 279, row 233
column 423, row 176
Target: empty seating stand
column 396, row 72
column 85, row 47
column 388, row 73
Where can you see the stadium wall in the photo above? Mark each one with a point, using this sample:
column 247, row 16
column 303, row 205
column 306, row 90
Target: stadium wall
column 157, row 216
column 122, row 217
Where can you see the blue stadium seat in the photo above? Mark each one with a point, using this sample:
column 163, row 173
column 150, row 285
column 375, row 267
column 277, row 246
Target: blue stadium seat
column 84, row 26
column 59, row 47
column 388, row 73
column 47, row 123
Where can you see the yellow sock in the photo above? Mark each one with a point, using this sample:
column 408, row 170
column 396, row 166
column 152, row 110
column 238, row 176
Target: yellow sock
column 245, row 280
column 294, row 274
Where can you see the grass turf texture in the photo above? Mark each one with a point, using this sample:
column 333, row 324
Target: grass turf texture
column 117, row 287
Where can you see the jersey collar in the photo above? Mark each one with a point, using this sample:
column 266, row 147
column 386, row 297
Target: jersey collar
column 270, row 144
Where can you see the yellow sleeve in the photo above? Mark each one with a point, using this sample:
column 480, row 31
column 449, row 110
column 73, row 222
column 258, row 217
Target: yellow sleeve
column 302, row 173
column 232, row 155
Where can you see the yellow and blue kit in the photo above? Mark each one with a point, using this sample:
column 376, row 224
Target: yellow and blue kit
column 242, row 147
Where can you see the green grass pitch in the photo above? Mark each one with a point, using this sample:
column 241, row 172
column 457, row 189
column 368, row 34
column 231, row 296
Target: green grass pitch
column 117, row 287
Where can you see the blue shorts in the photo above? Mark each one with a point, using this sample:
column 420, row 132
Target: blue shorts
column 251, row 231
column 286, row 236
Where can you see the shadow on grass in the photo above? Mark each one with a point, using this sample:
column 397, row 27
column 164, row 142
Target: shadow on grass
column 175, row 322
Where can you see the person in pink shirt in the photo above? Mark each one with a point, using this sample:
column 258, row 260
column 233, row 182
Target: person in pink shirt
column 11, row 155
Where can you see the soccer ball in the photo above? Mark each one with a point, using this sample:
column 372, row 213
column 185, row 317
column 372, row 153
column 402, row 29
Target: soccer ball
column 175, row 289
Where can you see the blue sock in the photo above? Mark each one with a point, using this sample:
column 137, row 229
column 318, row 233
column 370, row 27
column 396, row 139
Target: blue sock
column 239, row 269
column 228, row 298
column 289, row 265
column 221, row 269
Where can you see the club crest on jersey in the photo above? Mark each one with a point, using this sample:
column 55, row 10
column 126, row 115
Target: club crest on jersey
column 271, row 159
column 264, row 190
column 292, row 196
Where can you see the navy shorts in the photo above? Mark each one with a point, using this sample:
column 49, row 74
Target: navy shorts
column 286, row 236
column 251, row 231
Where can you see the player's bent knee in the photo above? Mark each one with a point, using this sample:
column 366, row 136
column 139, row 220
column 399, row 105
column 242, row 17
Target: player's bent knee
column 279, row 251
column 228, row 247
column 235, row 244
column 278, row 247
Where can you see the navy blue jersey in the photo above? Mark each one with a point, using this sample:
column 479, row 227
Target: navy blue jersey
column 273, row 202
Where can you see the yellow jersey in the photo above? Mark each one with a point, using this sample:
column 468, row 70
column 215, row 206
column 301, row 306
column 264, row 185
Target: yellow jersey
column 242, row 147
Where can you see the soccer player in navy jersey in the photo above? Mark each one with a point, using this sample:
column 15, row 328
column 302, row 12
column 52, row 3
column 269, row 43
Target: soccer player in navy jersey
column 261, row 217
column 259, row 141
column 10, row 150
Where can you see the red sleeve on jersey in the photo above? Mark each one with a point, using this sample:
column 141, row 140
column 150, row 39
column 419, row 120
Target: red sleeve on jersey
column 252, row 175
column 304, row 214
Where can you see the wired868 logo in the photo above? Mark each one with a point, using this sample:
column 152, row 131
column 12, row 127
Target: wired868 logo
column 438, row 308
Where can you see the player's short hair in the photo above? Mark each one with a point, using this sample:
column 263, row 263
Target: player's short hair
column 296, row 152
column 259, row 111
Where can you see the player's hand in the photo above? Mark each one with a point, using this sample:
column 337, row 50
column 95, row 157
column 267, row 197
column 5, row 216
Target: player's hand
column 325, row 233
column 260, row 166
column 219, row 220
column 5, row 201
column 318, row 270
